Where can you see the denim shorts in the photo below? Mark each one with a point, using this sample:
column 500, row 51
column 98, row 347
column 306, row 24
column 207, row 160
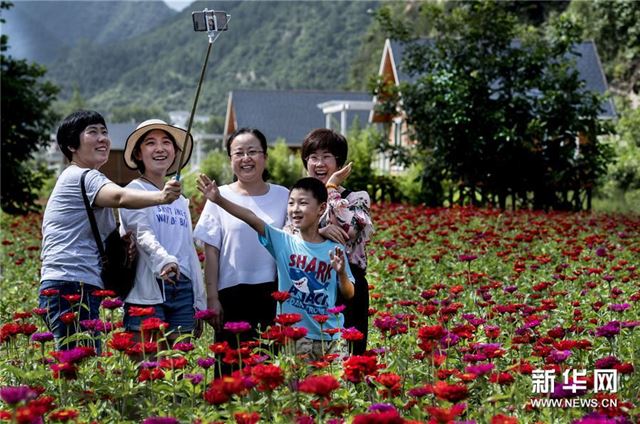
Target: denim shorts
column 88, row 308
column 177, row 310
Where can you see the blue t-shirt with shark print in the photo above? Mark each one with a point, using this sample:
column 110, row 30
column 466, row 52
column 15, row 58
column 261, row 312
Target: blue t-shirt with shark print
column 305, row 272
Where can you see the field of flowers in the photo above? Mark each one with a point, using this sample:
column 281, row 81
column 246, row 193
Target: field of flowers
column 476, row 315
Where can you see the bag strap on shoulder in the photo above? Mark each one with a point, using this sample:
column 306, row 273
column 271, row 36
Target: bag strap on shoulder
column 92, row 217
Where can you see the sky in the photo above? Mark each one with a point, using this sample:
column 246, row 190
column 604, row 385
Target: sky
column 177, row 4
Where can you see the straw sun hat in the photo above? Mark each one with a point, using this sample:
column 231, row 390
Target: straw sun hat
column 157, row 124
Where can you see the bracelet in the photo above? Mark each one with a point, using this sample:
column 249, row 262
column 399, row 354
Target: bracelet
column 331, row 186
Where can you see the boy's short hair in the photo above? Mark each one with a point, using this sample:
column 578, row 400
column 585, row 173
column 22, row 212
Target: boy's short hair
column 313, row 185
column 325, row 139
column 69, row 131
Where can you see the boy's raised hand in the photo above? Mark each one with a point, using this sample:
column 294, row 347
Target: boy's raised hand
column 337, row 260
column 208, row 188
column 340, row 175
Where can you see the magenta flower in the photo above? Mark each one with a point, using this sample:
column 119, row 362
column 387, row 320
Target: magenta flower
column 480, row 369
column 206, row 362
column 206, row 314
column 608, row 362
column 237, row 327
column 16, row 394
column 608, row 330
column 337, row 309
column 467, row 258
column 601, row 252
column 184, row 346
column 195, row 379
column 558, row 356
column 160, row 420
column 619, row 307
column 111, row 303
column 42, row 337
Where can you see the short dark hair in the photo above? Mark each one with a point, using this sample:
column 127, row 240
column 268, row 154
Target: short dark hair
column 325, row 139
column 313, row 185
column 69, row 131
column 257, row 134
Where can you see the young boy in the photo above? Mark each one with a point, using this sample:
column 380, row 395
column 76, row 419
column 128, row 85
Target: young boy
column 305, row 264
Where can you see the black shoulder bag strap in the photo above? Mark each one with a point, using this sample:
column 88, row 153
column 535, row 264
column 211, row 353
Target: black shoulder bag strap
column 92, row 218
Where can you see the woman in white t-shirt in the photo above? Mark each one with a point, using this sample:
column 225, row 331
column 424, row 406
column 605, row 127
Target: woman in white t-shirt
column 168, row 275
column 240, row 274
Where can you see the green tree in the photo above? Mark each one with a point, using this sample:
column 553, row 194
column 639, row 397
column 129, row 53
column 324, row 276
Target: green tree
column 363, row 144
column 138, row 113
column 284, row 167
column 498, row 117
column 216, row 165
column 27, row 119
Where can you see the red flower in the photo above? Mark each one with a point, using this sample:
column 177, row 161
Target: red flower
column 352, row 334
column 321, row 319
column 502, row 378
column 103, row 293
column 431, row 332
column 50, row 292
column 294, row 333
column 450, row 392
column 153, row 323
column 219, row 348
column 391, row 381
column 137, row 311
column 331, row 331
column 280, row 296
column 446, row 415
column 152, row 374
column 68, row 317
column 71, row 298
column 503, row 419
column 173, row 363
column 246, row 417
column 384, row 417
column 121, row 341
column 269, row 377
column 357, row 367
column 63, row 415
column 319, row 385
column 288, row 319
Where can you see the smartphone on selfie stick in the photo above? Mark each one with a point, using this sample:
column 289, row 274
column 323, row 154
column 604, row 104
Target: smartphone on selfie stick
column 214, row 23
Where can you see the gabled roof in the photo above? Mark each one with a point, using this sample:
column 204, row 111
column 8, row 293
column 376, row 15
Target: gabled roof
column 585, row 54
column 118, row 134
column 287, row 114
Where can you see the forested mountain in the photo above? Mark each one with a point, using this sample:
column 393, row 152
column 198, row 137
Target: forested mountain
column 270, row 44
column 43, row 31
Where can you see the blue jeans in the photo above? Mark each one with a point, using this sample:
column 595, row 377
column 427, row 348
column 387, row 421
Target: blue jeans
column 87, row 308
column 177, row 310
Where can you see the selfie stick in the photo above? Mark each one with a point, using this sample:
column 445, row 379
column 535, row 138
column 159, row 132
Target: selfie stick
column 213, row 34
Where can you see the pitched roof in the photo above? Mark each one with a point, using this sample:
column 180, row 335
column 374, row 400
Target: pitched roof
column 119, row 132
column 585, row 54
column 289, row 114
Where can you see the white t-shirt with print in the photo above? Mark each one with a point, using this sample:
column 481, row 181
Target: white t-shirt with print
column 243, row 260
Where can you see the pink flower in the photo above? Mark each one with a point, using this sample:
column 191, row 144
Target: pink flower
column 237, row 327
column 337, row 309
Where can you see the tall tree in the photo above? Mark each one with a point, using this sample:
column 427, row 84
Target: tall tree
column 27, row 119
column 498, row 110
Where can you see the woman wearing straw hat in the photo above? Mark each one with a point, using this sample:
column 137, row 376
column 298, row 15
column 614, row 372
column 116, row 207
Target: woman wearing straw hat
column 70, row 260
column 168, row 274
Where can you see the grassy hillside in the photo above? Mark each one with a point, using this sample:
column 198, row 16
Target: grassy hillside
column 269, row 45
